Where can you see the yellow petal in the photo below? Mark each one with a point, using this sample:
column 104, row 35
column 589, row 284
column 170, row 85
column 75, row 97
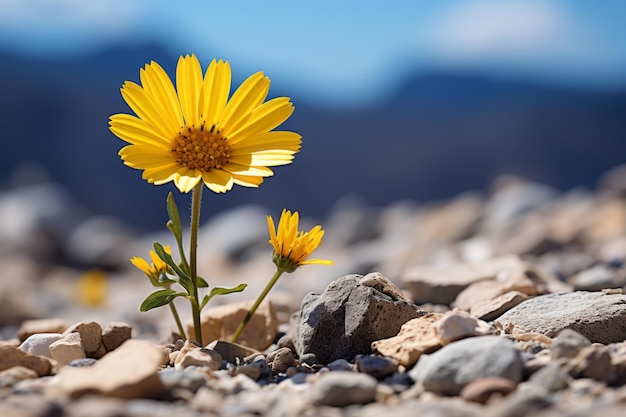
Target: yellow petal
column 158, row 85
column 143, row 106
column 218, row 181
column 264, row 118
column 215, row 91
column 136, row 131
column 249, row 95
column 247, row 180
column 189, row 86
column 268, row 141
column 185, row 183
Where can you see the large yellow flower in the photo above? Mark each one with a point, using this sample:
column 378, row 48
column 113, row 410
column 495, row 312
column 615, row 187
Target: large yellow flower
column 291, row 247
column 194, row 133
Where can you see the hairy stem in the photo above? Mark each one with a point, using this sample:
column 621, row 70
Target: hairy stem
column 196, row 200
column 256, row 304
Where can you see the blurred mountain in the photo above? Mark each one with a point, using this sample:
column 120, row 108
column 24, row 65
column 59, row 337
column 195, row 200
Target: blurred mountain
column 435, row 136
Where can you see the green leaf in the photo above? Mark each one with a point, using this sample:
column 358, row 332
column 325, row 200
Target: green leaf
column 158, row 299
column 221, row 291
column 201, row 282
column 176, row 228
column 174, row 224
column 184, row 279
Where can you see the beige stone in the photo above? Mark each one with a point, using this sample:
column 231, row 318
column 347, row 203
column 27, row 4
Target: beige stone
column 67, row 349
column 11, row 356
column 456, row 325
column 31, row 327
column 91, row 336
column 130, row 371
column 488, row 290
column 416, row 337
column 489, row 310
column 441, row 284
column 381, row 283
column 39, row 343
column 114, row 334
column 191, row 355
column 16, row 374
column 220, row 323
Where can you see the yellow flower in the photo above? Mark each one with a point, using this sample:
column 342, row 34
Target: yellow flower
column 194, row 133
column 91, row 288
column 155, row 269
column 291, row 247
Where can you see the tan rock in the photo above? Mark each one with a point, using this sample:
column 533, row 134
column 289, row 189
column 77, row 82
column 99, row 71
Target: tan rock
column 11, row 356
column 482, row 389
column 608, row 220
column 456, row 325
column 492, row 309
column 416, row 336
column 439, row 284
column 130, row 371
column 15, row 374
column 31, row 327
column 191, row 355
column 220, row 323
column 115, row 333
column 489, row 289
column 593, row 362
column 91, row 336
column 383, row 284
column 67, row 349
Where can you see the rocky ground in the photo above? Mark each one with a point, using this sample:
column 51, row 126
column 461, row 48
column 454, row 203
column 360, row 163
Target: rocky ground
column 507, row 303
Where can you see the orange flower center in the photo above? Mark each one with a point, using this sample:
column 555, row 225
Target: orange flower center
column 201, row 149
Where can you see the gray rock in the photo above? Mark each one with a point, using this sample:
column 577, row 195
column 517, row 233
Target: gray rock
column 567, row 344
column 81, row 363
column 341, row 389
column 340, row 365
column 599, row 317
column 448, row 370
column 190, row 379
column 345, row 320
column 376, row 366
column 596, row 278
column 550, row 378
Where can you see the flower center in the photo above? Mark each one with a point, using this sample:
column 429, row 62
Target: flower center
column 200, row 148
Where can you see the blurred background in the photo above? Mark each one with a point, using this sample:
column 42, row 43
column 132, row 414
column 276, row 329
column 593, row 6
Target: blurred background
column 413, row 100
column 404, row 109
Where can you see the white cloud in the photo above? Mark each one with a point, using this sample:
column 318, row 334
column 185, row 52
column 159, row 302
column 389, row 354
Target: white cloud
column 39, row 24
column 500, row 29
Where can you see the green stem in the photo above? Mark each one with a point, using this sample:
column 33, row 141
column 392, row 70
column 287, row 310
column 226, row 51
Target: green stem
column 177, row 319
column 256, row 304
column 196, row 199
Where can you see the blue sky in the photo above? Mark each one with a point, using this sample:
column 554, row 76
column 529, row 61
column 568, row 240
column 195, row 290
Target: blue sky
column 340, row 50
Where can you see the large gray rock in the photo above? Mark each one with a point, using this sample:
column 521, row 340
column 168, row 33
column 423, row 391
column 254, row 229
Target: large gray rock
column 451, row 368
column 348, row 316
column 599, row 317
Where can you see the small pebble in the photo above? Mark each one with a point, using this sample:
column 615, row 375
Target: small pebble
column 481, row 390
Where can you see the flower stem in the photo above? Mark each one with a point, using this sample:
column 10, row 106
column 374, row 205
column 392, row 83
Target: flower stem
column 256, row 304
column 181, row 330
column 196, row 199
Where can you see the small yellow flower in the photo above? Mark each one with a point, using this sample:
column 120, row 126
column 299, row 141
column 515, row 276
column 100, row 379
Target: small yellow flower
column 291, row 247
column 91, row 288
column 155, row 269
column 193, row 132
